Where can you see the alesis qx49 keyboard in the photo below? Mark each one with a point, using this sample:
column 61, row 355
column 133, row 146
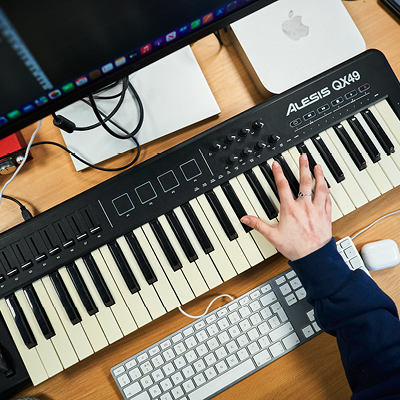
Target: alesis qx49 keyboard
column 108, row 261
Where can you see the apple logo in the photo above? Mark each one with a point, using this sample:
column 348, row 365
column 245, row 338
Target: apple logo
column 293, row 28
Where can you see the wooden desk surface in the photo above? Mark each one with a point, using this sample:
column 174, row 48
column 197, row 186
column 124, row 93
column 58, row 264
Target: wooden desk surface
column 314, row 370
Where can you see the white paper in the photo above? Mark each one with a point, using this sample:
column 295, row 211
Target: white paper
column 174, row 93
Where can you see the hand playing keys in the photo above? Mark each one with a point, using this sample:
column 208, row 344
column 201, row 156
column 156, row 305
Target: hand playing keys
column 304, row 223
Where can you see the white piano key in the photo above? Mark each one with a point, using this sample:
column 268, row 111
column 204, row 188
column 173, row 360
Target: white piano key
column 76, row 334
column 252, row 206
column 132, row 300
column 147, row 292
column 60, row 340
column 45, row 347
column 390, row 124
column 204, row 262
column 267, row 188
column 30, row 357
column 104, row 315
column 218, row 255
column 232, row 248
column 386, row 162
column 119, row 309
column 337, row 192
column 292, row 164
column 189, row 269
column 374, row 170
column 162, row 286
column 245, row 241
column 350, row 185
column 362, row 177
column 391, row 120
column 89, row 322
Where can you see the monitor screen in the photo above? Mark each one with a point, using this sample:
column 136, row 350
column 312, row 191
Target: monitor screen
column 54, row 52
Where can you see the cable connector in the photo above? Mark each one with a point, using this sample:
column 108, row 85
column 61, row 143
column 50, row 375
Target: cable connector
column 26, row 214
column 63, row 123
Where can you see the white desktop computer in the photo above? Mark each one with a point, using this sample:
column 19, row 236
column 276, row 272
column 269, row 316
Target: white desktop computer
column 291, row 41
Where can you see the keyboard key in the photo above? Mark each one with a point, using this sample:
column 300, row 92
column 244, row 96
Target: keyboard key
column 221, row 215
column 181, row 236
column 198, row 228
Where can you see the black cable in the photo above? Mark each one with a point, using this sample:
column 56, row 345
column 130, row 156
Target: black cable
column 24, row 211
column 103, row 122
column 88, row 163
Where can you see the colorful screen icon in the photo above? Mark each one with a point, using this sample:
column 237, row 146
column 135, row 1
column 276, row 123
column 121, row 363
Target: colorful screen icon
column 81, row 81
column 208, row 18
column 145, row 49
column 54, row 94
column 120, row 61
column 68, row 87
column 171, row 36
column 41, row 100
column 195, row 24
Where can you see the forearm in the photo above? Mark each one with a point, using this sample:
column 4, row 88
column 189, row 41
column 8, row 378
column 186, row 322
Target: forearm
column 350, row 306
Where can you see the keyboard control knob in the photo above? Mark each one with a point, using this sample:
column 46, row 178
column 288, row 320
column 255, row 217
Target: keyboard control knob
column 230, row 138
column 246, row 152
column 273, row 138
column 258, row 124
column 244, row 132
column 260, row 145
column 215, row 146
column 232, row 159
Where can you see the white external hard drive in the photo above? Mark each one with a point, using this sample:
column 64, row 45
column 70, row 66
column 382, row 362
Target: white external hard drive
column 290, row 41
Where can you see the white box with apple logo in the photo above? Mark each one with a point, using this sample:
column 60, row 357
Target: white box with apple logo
column 290, row 41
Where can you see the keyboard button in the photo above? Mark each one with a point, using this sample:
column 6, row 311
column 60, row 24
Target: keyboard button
column 290, row 176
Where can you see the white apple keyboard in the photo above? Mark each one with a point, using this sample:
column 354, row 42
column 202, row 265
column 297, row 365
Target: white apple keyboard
column 228, row 344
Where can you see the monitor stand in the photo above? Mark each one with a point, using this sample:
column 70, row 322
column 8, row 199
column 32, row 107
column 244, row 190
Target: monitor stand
column 174, row 93
column 290, row 41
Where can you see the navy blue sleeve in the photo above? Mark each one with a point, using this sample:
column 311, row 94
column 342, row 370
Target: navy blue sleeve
column 350, row 306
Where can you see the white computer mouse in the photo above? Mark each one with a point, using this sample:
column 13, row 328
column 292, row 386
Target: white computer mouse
column 381, row 254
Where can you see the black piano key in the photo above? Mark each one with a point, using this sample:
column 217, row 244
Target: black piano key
column 351, row 148
column 21, row 322
column 141, row 258
column 39, row 312
column 235, row 203
column 166, row 245
column 198, row 229
column 82, row 289
column 98, row 280
column 65, row 298
column 123, row 267
column 269, row 176
column 365, row 140
column 311, row 161
column 330, row 161
column 293, row 182
column 262, row 197
column 221, row 215
column 378, row 131
column 181, row 236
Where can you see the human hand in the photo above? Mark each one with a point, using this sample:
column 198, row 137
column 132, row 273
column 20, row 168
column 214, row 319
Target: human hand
column 305, row 223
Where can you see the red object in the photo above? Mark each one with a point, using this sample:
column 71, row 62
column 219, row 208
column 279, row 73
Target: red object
column 12, row 144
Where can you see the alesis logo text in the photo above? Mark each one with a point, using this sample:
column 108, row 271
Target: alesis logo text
column 337, row 84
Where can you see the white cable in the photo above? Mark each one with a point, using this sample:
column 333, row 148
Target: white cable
column 205, row 312
column 23, row 161
column 379, row 219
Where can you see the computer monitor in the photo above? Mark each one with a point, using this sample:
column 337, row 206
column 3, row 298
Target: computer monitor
column 54, row 52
